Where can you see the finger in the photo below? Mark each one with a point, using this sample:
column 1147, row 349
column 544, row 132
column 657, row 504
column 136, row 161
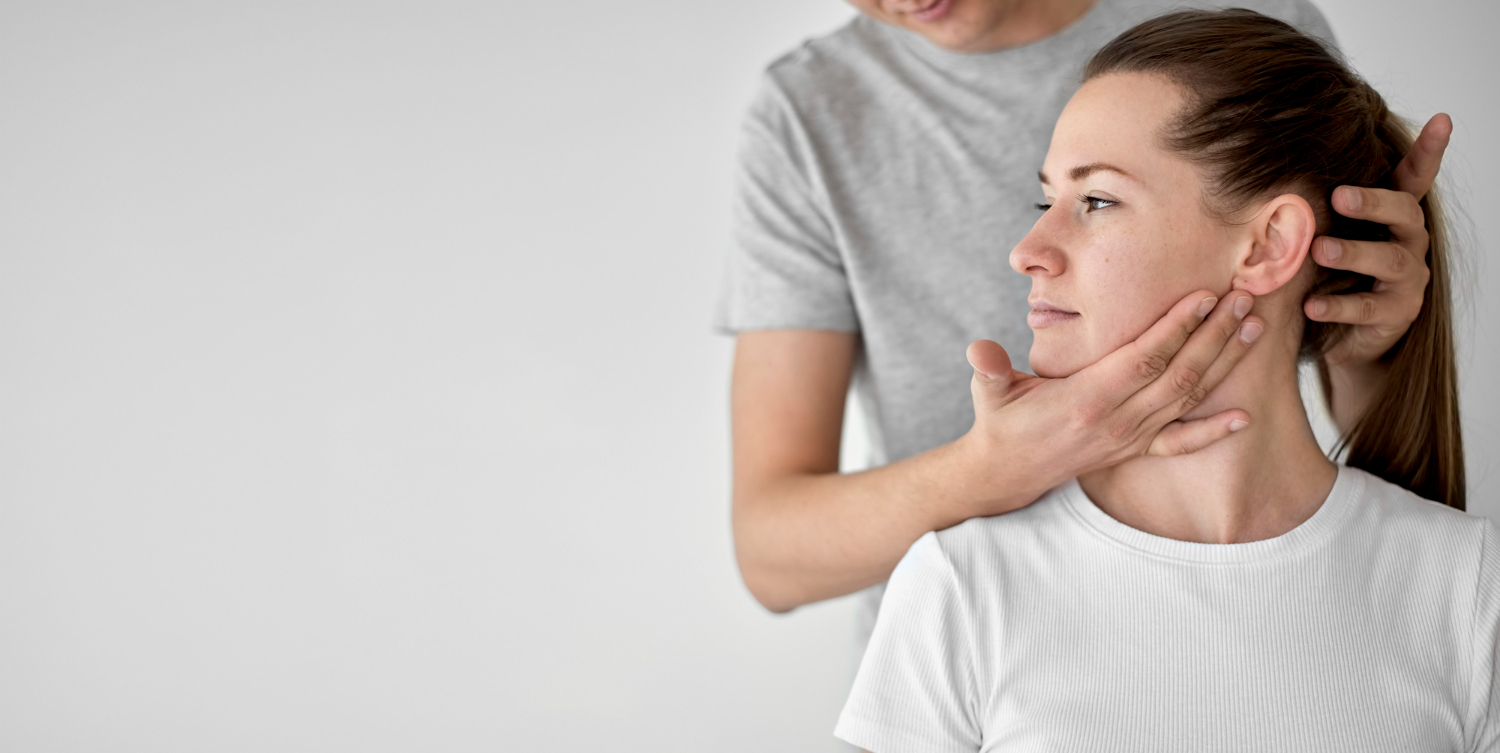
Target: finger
column 1130, row 367
column 1397, row 209
column 1354, row 308
column 1183, row 437
column 1250, row 330
column 1419, row 167
column 1189, row 377
column 1392, row 263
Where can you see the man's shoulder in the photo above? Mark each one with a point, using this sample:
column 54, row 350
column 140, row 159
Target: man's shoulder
column 1302, row 14
column 849, row 45
column 831, row 66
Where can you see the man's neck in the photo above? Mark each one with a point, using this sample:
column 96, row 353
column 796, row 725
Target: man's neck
column 1030, row 21
column 1257, row 483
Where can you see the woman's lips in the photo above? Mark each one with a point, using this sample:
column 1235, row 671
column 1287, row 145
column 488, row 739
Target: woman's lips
column 933, row 11
column 1045, row 315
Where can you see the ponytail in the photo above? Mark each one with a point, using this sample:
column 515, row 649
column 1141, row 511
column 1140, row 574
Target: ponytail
column 1409, row 434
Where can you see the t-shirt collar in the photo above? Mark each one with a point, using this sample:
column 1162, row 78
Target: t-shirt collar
column 1311, row 533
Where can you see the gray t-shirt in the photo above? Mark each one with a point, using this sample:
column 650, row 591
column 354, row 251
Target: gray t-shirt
column 881, row 183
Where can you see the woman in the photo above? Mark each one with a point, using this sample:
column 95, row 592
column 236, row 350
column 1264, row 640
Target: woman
column 1253, row 595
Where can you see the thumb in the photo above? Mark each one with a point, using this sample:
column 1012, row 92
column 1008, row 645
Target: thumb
column 992, row 370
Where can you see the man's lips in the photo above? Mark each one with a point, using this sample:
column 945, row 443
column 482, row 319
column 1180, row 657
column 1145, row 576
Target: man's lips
column 931, row 11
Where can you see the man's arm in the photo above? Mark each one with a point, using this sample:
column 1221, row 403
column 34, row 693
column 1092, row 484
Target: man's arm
column 804, row 532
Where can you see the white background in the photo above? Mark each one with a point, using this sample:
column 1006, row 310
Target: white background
column 357, row 390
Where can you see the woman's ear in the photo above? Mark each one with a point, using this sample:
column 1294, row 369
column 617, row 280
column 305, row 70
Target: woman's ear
column 1280, row 235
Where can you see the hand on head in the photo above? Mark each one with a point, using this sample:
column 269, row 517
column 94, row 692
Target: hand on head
column 1381, row 316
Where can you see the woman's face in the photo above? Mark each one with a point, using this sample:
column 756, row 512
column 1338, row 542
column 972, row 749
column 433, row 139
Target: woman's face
column 1127, row 234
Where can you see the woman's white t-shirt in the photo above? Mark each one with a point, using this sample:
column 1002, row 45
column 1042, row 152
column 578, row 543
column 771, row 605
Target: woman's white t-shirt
column 1371, row 626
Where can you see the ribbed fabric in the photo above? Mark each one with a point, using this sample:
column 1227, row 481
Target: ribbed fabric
column 1372, row 626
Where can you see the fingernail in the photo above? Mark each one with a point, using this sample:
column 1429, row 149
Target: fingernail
column 1320, row 307
column 1351, row 197
column 1332, row 249
column 1249, row 332
column 1206, row 306
column 1242, row 307
column 1237, row 424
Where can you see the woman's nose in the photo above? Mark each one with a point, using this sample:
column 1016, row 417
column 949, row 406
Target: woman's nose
column 1037, row 254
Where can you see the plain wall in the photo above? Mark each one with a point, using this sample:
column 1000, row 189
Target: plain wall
column 357, row 390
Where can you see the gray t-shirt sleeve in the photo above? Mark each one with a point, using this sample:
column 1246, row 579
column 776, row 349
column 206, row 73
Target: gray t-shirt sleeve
column 915, row 691
column 1309, row 20
column 1484, row 696
column 783, row 268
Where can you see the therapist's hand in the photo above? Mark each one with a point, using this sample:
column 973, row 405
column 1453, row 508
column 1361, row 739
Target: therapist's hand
column 1380, row 317
column 1031, row 433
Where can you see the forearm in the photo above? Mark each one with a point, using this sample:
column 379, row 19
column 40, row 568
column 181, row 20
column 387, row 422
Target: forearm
column 810, row 537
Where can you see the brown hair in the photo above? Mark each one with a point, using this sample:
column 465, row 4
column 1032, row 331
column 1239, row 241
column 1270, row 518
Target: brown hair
column 1272, row 110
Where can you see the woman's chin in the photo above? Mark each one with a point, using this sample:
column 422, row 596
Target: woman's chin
column 1054, row 363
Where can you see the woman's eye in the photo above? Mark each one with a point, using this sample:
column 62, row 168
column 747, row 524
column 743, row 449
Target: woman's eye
column 1043, row 207
column 1095, row 203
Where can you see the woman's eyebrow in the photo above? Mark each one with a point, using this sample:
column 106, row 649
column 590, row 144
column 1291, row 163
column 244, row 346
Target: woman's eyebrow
column 1083, row 171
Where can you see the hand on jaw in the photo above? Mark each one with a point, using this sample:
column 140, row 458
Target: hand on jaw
column 1039, row 432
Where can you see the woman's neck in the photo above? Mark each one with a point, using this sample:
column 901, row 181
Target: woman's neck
column 1257, row 483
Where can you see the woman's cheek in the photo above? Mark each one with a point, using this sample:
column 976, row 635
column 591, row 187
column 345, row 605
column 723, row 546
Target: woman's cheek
column 1119, row 309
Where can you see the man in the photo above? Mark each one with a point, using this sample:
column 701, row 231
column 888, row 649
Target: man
column 885, row 172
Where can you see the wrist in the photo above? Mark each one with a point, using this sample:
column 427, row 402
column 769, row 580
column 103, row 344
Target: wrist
column 1352, row 386
column 992, row 479
column 1358, row 374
